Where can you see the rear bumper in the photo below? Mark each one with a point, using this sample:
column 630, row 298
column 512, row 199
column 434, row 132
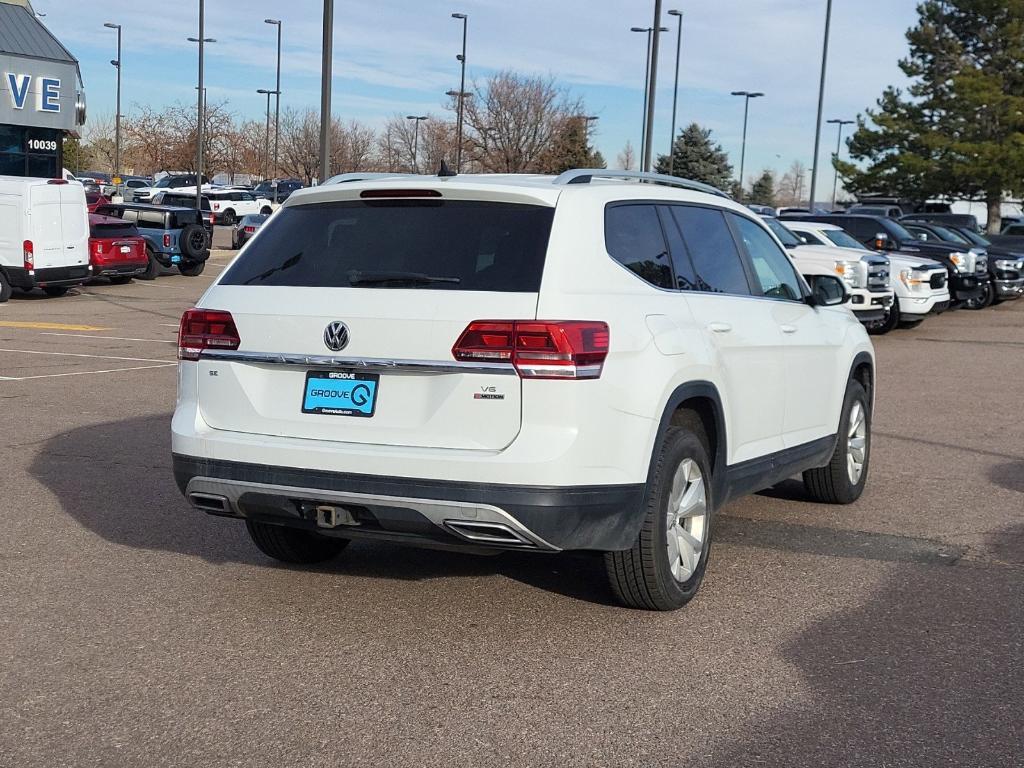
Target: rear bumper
column 52, row 276
column 441, row 513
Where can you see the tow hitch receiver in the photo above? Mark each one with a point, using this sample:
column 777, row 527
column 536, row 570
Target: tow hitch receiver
column 328, row 516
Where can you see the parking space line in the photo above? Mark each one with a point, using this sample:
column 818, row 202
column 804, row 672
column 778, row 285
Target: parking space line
column 49, row 326
column 85, row 373
column 115, row 338
column 82, row 354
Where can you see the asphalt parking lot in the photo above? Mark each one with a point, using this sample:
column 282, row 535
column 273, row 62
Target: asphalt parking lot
column 135, row 631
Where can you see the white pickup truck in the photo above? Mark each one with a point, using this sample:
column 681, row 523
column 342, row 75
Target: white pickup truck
column 920, row 284
column 866, row 274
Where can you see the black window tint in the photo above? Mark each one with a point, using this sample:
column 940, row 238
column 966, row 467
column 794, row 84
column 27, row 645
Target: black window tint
column 863, row 229
column 773, row 269
column 425, row 244
column 633, row 237
column 712, row 249
column 686, row 275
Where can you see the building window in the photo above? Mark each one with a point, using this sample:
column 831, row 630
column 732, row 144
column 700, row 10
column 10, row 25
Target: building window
column 30, row 151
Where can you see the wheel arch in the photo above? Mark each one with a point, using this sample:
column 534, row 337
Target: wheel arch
column 703, row 399
column 862, row 370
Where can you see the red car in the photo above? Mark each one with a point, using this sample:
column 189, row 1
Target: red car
column 116, row 250
column 93, row 200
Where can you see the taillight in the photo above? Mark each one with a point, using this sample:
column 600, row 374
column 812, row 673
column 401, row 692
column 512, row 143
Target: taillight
column 250, row 230
column 205, row 329
column 539, row 349
column 167, row 241
column 97, row 247
column 28, row 255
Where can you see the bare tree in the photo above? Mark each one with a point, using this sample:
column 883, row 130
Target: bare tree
column 513, row 118
column 790, row 189
column 626, row 160
column 352, row 146
column 98, row 142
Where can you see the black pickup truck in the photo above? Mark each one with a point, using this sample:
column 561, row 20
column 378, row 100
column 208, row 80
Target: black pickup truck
column 967, row 267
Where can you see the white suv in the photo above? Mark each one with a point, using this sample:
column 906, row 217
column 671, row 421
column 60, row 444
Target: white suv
column 229, row 205
column 517, row 362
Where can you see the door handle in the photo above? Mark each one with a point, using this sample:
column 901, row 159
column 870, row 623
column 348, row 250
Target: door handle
column 720, row 327
column 788, row 328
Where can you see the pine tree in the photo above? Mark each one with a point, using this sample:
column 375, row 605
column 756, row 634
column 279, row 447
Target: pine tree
column 695, row 156
column 958, row 129
column 570, row 148
column 762, row 192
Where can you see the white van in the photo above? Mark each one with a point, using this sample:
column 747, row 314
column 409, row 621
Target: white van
column 44, row 235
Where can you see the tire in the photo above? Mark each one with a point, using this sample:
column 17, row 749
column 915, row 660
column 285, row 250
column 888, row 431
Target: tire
column 892, row 319
column 985, row 300
column 234, row 244
column 647, row 575
column 194, row 242
column 838, row 482
column 5, row 288
column 228, row 218
column 152, row 268
column 120, row 279
column 266, row 210
column 293, row 545
column 192, row 268
column 56, row 291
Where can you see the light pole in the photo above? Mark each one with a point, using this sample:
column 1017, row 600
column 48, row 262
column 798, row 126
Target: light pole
column 652, row 83
column 675, row 92
column 325, row 92
column 117, row 117
column 416, row 139
column 839, row 145
column 201, row 106
column 462, row 91
column 821, row 101
column 266, row 138
column 647, row 79
column 587, row 120
column 747, row 96
column 277, row 92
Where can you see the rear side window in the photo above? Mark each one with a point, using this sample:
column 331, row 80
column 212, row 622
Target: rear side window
column 151, row 219
column 633, row 237
column 427, row 244
column 179, row 219
column 712, row 249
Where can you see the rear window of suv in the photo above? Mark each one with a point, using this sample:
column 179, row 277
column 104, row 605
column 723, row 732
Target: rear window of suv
column 434, row 244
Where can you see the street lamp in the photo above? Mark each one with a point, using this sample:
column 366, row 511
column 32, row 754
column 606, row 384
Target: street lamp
column 117, row 117
column 647, row 80
column 821, row 101
column 462, row 91
column 325, row 92
column 277, row 92
column 416, row 139
column 839, row 144
column 266, row 140
column 675, row 92
column 201, row 106
column 747, row 96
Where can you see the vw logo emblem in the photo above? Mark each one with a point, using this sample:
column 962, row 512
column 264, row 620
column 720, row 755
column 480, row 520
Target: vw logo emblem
column 336, row 336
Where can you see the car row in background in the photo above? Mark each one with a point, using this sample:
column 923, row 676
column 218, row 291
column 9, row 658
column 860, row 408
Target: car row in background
column 51, row 240
column 929, row 267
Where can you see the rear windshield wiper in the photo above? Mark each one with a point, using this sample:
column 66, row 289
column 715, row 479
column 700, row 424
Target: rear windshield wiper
column 356, row 277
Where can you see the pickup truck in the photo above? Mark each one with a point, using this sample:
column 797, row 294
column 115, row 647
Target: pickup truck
column 1004, row 266
column 967, row 268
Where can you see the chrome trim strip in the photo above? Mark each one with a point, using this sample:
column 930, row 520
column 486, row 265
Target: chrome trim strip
column 368, row 364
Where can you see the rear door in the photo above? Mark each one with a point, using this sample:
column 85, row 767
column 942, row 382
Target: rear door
column 46, row 231
column 403, row 278
column 74, row 222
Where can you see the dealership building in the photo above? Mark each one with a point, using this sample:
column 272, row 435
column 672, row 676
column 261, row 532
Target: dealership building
column 41, row 95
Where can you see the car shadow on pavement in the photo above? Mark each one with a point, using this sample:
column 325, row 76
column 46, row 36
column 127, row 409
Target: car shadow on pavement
column 116, row 480
column 925, row 671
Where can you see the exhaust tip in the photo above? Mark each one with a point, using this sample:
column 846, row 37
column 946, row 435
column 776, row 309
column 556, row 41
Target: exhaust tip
column 211, row 503
column 488, row 533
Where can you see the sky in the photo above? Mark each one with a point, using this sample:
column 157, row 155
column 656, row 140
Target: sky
column 399, row 57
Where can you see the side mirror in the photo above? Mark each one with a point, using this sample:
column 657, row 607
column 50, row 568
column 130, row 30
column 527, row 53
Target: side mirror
column 881, row 241
column 923, row 236
column 826, row 291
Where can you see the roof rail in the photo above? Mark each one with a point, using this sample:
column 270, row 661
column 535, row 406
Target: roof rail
column 586, row 175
